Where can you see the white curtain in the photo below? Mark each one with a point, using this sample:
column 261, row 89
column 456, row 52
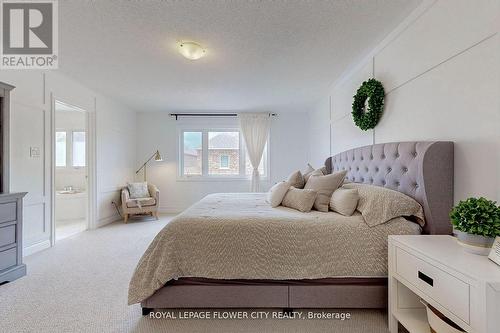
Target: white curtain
column 255, row 130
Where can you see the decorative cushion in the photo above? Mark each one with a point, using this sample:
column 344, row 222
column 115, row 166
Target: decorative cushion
column 325, row 185
column 299, row 199
column 344, row 201
column 138, row 190
column 379, row 204
column 307, row 172
column 296, row 179
column 277, row 193
column 317, row 172
column 140, row 202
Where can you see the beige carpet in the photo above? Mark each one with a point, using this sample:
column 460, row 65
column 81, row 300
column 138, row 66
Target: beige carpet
column 80, row 285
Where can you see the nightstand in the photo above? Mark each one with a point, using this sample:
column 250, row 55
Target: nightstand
column 464, row 287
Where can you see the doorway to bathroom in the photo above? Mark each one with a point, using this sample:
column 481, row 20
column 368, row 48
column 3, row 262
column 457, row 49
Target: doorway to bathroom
column 71, row 199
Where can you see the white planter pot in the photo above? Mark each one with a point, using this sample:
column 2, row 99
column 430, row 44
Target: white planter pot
column 475, row 243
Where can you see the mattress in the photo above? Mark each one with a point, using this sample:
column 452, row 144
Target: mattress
column 238, row 236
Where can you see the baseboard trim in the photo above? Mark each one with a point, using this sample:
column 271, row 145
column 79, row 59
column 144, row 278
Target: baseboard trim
column 107, row 220
column 29, row 250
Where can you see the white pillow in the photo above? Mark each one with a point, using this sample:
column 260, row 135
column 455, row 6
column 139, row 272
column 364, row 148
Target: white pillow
column 324, row 186
column 138, row 190
column 277, row 193
column 344, row 201
column 299, row 199
column 379, row 204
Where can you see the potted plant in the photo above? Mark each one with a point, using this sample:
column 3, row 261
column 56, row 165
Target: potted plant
column 476, row 222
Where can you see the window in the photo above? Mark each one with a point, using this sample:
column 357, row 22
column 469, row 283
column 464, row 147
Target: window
column 78, row 149
column 70, row 149
column 192, row 153
column 223, row 146
column 208, row 153
column 224, row 162
column 60, row 149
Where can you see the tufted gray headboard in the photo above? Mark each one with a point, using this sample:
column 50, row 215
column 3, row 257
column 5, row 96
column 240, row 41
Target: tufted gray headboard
column 421, row 170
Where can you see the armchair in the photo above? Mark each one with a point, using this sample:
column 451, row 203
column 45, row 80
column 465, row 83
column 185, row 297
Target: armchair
column 141, row 205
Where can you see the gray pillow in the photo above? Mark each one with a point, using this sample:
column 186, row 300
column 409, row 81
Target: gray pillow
column 379, row 204
column 138, row 190
column 277, row 193
column 296, row 179
column 344, row 201
column 299, row 199
column 325, row 185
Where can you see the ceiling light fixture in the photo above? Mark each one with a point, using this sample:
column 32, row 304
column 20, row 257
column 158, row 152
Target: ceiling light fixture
column 191, row 50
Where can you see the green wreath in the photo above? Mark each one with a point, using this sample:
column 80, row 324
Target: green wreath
column 374, row 92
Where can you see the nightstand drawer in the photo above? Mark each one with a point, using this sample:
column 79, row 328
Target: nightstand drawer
column 8, row 212
column 7, row 235
column 447, row 290
column 8, row 258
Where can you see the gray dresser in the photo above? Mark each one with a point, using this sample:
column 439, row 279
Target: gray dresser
column 11, row 234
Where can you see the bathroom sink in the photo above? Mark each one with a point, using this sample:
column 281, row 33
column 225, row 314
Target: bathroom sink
column 69, row 191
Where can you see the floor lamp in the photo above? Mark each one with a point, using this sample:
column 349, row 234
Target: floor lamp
column 157, row 158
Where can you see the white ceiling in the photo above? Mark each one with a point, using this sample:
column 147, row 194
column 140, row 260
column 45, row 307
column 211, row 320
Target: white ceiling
column 261, row 55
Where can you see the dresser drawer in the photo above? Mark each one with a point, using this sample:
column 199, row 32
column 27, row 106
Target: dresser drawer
column 444, row 288
column 7, row 235
column 8, row 212
column 8, row 258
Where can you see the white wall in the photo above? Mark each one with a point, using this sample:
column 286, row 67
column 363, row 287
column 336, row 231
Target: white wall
column 441, row 72
column 116, row 139
column 288, row 150
column 30, row 127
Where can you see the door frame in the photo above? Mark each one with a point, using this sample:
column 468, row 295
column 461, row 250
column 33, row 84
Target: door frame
column 90, row 151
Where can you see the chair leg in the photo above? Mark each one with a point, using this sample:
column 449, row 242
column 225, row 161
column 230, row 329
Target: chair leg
column 125, row 218
column 156, row 215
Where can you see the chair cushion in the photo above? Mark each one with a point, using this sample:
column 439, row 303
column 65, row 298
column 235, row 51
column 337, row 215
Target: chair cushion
column 141, row 202
column 138, row 190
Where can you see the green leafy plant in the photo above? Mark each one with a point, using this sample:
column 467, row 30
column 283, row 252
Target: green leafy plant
column 372, row 90
column 478, row 216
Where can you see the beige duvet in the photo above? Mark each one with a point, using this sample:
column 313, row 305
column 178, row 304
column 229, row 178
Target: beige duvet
column 240, row 236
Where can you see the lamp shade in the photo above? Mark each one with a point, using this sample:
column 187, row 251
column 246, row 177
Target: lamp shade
column 158, row 157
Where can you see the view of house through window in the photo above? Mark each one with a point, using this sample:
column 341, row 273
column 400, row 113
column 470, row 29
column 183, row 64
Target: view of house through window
column 192, row 153
column 223, row 153
column 216, row 153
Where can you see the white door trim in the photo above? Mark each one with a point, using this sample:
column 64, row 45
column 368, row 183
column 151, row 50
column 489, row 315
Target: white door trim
column 91, row 164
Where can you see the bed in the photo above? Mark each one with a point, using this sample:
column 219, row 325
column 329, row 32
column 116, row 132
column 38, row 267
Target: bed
column 235, row 251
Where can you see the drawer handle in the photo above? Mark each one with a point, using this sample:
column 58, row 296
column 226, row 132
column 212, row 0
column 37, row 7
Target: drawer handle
column 427, row 279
